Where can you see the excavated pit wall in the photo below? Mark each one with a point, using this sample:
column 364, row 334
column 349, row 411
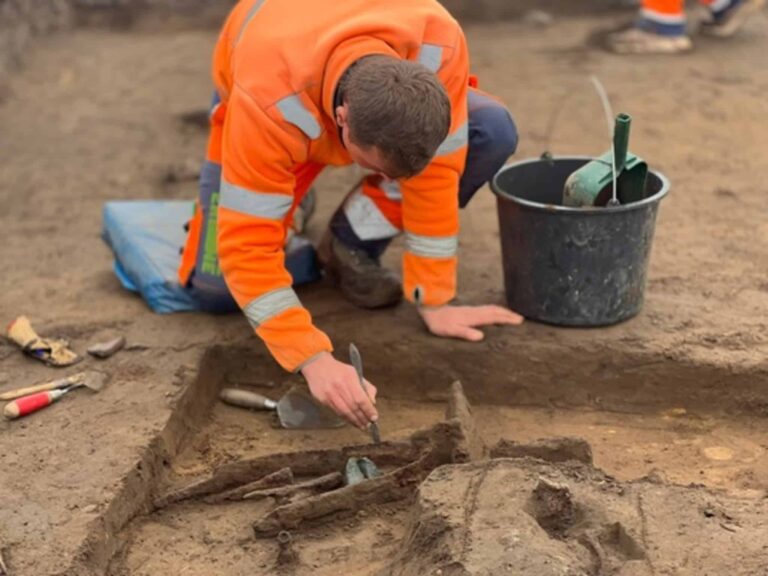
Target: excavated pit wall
column 136, row 492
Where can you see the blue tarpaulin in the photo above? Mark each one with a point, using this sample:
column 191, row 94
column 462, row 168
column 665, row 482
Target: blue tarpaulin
column 146, row 238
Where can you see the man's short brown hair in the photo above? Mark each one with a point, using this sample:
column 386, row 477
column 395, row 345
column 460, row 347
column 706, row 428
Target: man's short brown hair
column 398, row 106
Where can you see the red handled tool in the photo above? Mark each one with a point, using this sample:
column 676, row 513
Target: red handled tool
column 32, row 403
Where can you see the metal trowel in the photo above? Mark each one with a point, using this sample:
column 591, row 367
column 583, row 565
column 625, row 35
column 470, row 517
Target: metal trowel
column 296, row 409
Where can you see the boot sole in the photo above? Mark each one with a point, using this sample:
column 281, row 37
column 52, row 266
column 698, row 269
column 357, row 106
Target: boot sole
column 677, row 47
column 735, row 23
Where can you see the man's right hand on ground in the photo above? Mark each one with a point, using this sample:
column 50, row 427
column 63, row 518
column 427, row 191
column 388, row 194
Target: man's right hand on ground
column 336, row 385
column 463, row 321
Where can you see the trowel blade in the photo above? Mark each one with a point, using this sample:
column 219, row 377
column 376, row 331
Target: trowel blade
column 297, row 409
column 95, row 380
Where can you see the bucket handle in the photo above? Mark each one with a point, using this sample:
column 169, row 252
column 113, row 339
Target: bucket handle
column 606, row 103
column 614, row 201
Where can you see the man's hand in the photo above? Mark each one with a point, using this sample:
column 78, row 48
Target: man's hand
column 335, row 384
column 462, row 321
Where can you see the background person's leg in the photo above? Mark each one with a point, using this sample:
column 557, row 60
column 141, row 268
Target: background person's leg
column 663, row 17
column 726, row 17
column 659, row 29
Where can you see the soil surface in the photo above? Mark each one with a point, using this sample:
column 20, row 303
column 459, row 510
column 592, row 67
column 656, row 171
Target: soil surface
column 678, row 392
column 522, row 517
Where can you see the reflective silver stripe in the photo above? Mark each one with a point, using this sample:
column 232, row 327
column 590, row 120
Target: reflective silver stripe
column 366, row 219
column 391, row 189
column 261, row 204
column 429, row 247
column 251, row 14
column 294, row 111
column 261, row 309
column 454, row 141
column 431, row 56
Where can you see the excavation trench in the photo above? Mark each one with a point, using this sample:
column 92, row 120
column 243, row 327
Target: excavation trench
column 629, row 390
column 650, row 419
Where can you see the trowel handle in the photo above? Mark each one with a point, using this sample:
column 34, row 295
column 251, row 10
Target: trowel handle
column 621, row 139
column 29, row 404
column 246, row 399
column 52, row 385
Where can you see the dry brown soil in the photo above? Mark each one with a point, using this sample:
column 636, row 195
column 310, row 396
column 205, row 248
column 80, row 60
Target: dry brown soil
column 678, row 392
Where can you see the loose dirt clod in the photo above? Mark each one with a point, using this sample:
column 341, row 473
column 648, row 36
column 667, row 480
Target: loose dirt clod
column 280, row 478
column 103, row 350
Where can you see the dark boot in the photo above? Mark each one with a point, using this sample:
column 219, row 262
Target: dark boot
column 361, row 278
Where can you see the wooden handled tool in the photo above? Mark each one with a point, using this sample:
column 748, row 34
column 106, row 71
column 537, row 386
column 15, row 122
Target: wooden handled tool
column 32, row 403
column 246, row 399
column 52, row 385
column 296, row 408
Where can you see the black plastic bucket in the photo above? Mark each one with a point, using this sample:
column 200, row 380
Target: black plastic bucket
column 572, row 266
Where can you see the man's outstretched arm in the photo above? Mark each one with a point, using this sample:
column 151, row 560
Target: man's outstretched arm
column 256, row 197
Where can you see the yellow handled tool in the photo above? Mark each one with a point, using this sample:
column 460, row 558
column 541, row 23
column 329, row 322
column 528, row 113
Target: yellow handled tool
column 52, row 385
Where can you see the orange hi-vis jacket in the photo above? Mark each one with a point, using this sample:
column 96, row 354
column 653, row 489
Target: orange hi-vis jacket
column 665, row 11
column 673, row 11
column 276, row 67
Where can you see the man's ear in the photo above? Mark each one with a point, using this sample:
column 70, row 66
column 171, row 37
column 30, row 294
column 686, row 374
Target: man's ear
column 341, row 115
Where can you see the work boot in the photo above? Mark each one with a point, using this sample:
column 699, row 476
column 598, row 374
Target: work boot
column 635, row 40
column 361, row 278
column 727, row 22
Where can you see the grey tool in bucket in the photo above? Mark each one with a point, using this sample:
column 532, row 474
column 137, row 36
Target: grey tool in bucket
column 617, row 177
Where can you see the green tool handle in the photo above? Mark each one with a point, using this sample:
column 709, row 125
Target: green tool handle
column 621, row 140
